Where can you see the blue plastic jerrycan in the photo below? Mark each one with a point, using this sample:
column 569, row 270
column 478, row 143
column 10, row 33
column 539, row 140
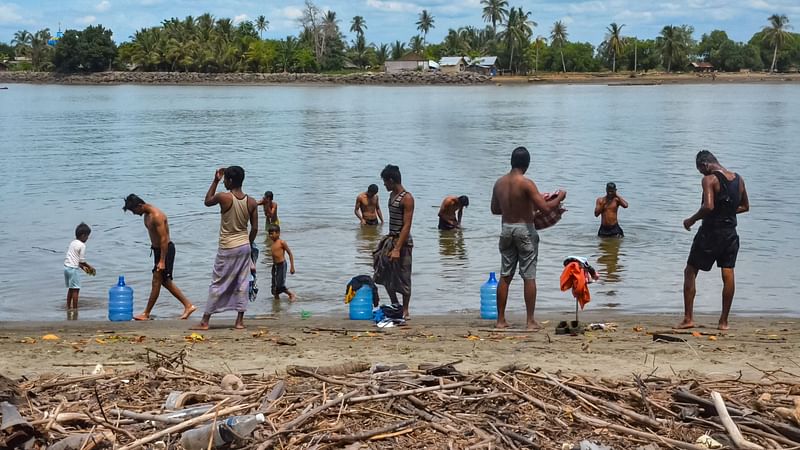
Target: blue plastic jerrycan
column 489, row 298
column 120, row 302
column 361, row 304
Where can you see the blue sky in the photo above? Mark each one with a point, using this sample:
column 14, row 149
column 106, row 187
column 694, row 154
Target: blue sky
column 388, row 20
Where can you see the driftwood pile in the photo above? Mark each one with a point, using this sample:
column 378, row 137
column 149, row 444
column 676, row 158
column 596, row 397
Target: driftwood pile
column 382, row 406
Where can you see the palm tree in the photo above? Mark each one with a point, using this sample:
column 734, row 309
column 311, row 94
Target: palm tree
column 286, row 53
column 39, row 48
column 675, row 42
column 518, row 31
column 777, row 34
column 538, row 44
column 22, row 42
column 494, row 11
column 425, row 23
column 615, row 42
column 261, row 24
column 382, row 54
column 398, row 50
column 358, row 25
column 416, row 44
column 558, row 36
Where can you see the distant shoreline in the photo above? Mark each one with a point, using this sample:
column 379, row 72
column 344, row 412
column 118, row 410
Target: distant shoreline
column 387, row 79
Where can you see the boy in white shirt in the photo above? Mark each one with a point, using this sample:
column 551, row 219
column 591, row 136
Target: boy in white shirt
column 74, row 260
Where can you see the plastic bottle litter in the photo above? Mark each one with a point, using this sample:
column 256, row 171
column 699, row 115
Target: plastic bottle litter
column 225, row 432
column 120, row 302
column 489, row 298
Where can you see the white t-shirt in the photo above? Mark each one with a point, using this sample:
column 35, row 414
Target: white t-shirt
column 76, row 253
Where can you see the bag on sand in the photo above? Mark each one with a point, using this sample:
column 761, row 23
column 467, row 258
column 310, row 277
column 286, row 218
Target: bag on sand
column 392, row 311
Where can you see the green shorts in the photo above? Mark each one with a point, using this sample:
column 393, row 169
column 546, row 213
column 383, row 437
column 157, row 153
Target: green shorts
column 519, row 244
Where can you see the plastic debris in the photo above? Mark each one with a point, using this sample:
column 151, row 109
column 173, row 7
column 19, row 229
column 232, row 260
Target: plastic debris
column 707, row 442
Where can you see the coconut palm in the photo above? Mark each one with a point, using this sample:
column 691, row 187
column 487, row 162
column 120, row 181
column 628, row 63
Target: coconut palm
column 615, row 42
column 675, row 42
column 286, row 52
column 539, row 43
column 777, row 34
column 398, row 50
column 518, row 31
column 382, row 54
column 22, row 42
column 261, row 24
column 358, row 25
column 558, row 36
column 40, row 49
column 425, row 23
column 416, row 44
column 495, row 11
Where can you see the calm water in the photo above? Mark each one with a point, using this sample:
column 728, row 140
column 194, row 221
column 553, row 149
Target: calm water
column 71, row 154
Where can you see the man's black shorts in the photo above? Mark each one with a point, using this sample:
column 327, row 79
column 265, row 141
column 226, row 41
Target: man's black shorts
column 719, row 245
column 169, row 260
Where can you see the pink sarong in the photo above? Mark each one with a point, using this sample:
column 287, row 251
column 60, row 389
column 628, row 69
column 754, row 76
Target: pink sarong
column 230, row 281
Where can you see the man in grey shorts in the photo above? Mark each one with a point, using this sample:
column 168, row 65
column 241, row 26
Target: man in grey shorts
column 515, row 198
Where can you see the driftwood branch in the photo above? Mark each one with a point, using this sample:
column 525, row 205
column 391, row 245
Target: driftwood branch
column 733, row 431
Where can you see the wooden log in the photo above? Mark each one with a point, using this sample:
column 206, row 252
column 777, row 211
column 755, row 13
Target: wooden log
column 339, row 369
column 733, row 431
column 391, row 394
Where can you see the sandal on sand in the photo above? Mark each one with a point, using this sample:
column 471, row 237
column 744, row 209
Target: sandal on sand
column 562, row 328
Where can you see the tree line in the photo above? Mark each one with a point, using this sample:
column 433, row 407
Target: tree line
column 208, row 44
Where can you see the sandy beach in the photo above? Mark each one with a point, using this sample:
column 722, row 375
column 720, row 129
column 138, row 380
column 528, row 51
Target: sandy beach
column 268, row 345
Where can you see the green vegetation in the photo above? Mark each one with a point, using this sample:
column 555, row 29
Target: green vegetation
column 209, row 44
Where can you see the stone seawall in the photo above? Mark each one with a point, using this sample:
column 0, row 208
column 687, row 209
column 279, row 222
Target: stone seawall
column 370, row 78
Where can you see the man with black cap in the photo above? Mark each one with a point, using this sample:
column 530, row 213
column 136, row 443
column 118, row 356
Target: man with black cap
column 608, row 207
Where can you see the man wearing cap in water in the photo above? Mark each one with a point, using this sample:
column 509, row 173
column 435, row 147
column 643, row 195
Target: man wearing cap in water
column 607, row 206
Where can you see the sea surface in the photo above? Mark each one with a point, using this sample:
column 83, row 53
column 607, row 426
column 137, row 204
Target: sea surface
column 72, row 153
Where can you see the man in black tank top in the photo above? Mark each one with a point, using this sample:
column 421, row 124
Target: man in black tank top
column 724, row 196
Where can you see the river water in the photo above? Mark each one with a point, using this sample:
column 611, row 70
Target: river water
column 72, row 153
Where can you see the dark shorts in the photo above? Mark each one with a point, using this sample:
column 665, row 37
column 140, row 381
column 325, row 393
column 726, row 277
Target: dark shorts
column 279, row 279
column 719, row 245
column 445, row 225
column 169, row 260
column 612, row 231
column 371, row 222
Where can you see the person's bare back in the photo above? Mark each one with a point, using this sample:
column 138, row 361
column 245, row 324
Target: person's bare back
column 368, row 206
column 514, row 198
column 157, row 225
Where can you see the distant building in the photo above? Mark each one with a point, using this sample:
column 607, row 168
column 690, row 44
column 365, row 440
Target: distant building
column 485, row 65
column 409, row 62
column 452, row 64
column 702, row 66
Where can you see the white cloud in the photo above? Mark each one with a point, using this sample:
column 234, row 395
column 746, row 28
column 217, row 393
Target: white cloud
column 103, row 6
column 9, row 14
column 86, row 20
column 393, row 6
column 290, row 12
column 240, row 18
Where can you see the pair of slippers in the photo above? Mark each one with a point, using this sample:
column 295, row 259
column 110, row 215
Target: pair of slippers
column 573, row 327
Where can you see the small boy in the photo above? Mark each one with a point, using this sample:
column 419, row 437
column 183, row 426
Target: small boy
column 270, row 208
column 279, row 250
column 74, row 260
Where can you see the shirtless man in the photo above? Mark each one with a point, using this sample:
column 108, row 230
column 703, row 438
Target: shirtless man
column 270, row 209
column 515, row 198
column 451, row 211
column 724, row 196
column 368, row 208
column 608, row 206
column 163, row 254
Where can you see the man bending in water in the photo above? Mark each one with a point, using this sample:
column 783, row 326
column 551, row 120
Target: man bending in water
column 451, row 211
column 163, row 254
column 368, row 208
column 608, row 206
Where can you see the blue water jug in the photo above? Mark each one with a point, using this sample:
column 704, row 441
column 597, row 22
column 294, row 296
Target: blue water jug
column 361, row 304
column 120, row 302
column 489, row 298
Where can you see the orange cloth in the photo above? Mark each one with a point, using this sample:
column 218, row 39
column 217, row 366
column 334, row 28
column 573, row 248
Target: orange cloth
column 574, row 277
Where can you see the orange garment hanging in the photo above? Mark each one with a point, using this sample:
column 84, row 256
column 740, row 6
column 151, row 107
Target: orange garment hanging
column 574, row 277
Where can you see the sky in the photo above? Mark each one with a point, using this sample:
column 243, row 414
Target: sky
column 390, row 20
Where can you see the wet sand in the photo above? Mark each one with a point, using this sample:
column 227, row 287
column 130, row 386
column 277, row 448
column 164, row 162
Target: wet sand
column 268, row 345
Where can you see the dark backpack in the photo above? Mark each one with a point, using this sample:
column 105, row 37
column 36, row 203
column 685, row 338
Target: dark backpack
column 392, row 311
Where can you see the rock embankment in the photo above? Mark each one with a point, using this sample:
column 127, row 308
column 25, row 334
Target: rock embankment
column 372, row 78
